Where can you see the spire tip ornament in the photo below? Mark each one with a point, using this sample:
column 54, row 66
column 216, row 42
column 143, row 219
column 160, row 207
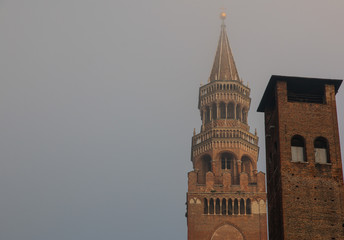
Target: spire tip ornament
column 223, row 15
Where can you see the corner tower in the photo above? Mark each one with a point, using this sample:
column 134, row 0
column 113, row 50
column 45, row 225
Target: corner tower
column 226, row 196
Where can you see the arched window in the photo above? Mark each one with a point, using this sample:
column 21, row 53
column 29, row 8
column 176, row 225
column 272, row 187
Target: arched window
column 298, row 150
column 248, row 206
column 206, row 162
column 204, row 166
column 222, row 110
column 236, row 209
column 244, row 116
column 230, row 111
column 246, row 165
column 226, row 160
column 230, row 207
column 217, row 206
column 211, row 206
column 238, row 113
column 214, row 111
column 321, row 150
column 224, row 209
column 207, row 115
column 205, row 206
column 242, row 206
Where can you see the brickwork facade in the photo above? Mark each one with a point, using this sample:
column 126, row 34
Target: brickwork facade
column 226, row 198
column 304, row 167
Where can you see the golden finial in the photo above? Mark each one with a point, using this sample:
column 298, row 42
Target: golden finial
column 223, row 15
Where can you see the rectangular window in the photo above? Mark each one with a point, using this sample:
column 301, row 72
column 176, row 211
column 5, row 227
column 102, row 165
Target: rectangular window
column 297, row 154
column 320, row 155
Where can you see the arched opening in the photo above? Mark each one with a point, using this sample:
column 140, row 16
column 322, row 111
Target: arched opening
column 211, row 206
column 242, row 206
column 238, row 113
column 224, row 209
column 204, row 167
column 227, row 232
column 248, row 206
column 227, row 161
column 246, row 165
column 217, row 206
column 214, row 111
column 244, row 115
column 207, row 114
column 230, row 110
column 298, row 151
column 321, row 150
column 230, row 207
column 205, row 206
column 222, row 110
column 236, row 208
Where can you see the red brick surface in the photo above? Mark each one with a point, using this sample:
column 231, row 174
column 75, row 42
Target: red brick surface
column 305, row 199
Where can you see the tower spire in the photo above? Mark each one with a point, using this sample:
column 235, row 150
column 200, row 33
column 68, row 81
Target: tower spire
column 224, row 66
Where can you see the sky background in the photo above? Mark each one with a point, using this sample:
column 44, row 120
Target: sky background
column 98, row 103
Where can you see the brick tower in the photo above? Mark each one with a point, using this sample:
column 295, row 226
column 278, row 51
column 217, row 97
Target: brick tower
column 304, row 167
column 226, row 197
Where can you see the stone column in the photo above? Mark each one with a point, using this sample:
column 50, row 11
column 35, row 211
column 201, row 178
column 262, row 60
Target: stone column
column 210, row 113
column 238, row 206
column 218, row 111
column 239, row 166
column 235, row 107
column 208, row 205
column 235, row 175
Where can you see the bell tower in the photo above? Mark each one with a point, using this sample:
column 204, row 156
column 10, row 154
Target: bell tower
column 226, row 196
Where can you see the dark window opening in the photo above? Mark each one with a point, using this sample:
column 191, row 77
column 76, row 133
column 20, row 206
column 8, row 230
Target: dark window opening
column 205, row 206
column 301, row 93
column 217, row 206
column 230, row 111
column 226, row 161
column 236, row 209
column 214, row 112
column 222, row 110
column 224, row 210
column 230, row 207
column 211, row 206
column 248, row 206
column 242, row 206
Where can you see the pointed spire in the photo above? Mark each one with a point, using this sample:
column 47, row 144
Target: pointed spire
column 224, row 67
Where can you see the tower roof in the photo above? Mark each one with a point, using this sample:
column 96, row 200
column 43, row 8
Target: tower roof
column 224, row 66
column 303, row 84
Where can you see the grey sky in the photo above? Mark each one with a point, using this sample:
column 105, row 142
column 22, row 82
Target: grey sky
column 98, row 102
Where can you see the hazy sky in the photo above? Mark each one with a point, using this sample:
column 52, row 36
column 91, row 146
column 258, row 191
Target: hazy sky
column 98, row 102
